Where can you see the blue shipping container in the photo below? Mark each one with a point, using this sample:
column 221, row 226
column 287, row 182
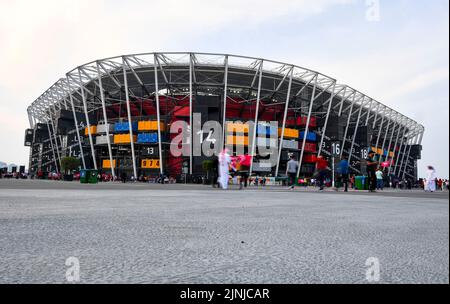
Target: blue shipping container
column 124, row 126
column 147, row 138
column 310, row 137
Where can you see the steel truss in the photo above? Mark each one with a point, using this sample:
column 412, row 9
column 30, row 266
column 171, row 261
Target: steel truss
column 89, row 87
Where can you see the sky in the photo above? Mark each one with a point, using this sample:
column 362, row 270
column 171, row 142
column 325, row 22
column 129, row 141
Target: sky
column 395, row 51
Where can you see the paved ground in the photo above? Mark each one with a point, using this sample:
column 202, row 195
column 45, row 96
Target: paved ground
column 193, row 234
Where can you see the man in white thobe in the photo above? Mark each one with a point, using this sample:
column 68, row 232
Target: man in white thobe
column 224, row 168
column 431, row 180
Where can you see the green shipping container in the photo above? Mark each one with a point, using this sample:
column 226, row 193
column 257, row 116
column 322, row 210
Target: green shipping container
column 93, row 177
column 362, row 183
column 84, row 176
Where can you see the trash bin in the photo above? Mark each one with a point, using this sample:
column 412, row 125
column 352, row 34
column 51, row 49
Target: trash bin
column 93, row 177
column 84, row 176
column 362, row 183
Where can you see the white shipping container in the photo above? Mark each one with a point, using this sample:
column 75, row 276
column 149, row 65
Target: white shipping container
column 266, row 142
column 103, row 140
column 262, row 167
column 290, row 144
column 103, row 127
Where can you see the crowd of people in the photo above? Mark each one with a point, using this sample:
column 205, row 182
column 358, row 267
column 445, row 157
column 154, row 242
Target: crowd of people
column 226, row 167
column 378, row 178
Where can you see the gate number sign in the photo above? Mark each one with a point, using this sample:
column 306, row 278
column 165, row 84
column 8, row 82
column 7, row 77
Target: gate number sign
column 150, row 163
column 336, row 149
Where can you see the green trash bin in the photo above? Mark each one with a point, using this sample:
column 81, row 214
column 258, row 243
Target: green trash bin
column 84, row 176
column 93, row 179
column 362, row 183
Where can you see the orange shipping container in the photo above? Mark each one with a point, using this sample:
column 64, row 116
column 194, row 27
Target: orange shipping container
column 147, row 125
column 289, row 133
column 107, row 164
column 123, row 138
column 237, row 140
column 93, row 130
column 237, row 127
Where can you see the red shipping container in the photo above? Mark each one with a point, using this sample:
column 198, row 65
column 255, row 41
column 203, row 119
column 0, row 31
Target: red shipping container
column 310, row 147
column 310, row 158
column 301, row 121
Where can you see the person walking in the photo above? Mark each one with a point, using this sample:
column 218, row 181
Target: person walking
column 292, row 167
column 380, row 180
column 321, row 167
column 343, row 168
column 431, row 179
column 371, row 169
column 215, row 171
column 243, row 169
column 224, row 168
column 123, row 177
column 439, row 182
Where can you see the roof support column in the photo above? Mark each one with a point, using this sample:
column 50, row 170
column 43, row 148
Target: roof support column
column 390, row 142
column 300, row 161
column 286, row 107
column 91, row 142
column 356, row 129
column 344, row 140
column 415, row 139
column 76, row 122
column 385, row 136
column 158, row 117
column 394, row 147
column 324, row 130
column 56, row 141
column 130, row 125
column 255, row 126
column 105, row 118
column 225, row 91
column 405, row 144
column 190, row 113
column 53, row 148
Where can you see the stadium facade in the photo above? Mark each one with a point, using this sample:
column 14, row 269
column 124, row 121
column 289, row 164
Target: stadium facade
column 115, row 114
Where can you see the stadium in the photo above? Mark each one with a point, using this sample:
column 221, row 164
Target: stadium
column 115, row 115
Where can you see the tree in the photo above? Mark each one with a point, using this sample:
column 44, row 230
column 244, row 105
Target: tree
column 69, row 164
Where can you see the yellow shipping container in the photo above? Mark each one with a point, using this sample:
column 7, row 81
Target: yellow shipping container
column 237, row 140
column 123, row 138
column 93, row 130
column 289, row 133
column 237, row 127
column 107, row 164
column 147, row 125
